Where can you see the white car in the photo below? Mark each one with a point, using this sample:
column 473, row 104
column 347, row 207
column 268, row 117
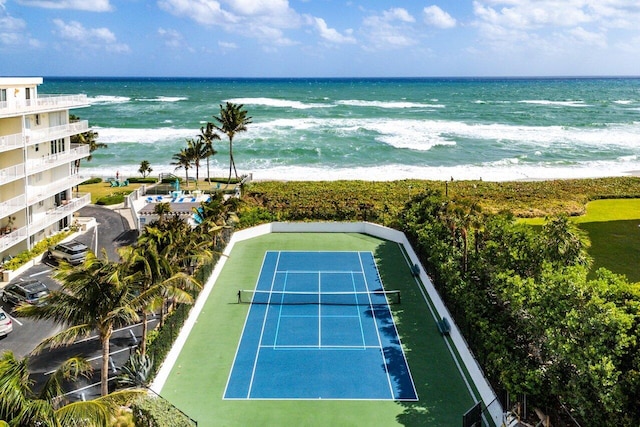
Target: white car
column 6, row 325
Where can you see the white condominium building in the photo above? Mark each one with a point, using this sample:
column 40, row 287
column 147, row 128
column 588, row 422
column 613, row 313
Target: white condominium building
column 38, row 163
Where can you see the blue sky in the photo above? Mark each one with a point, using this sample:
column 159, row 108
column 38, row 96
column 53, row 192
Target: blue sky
column 319, row 38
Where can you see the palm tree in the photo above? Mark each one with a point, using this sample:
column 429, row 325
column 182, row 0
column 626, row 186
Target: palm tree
column 162, row 209
column 89, row 138
column 145, row 168
column 21, row 405
column 208, row 135
column 198, row 151
column 232, row 119
column 166, row 253
column 183, row 159
column 92, row 297
column 154, row 275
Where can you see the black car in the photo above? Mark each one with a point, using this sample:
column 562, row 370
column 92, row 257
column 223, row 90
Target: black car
column 29, row 291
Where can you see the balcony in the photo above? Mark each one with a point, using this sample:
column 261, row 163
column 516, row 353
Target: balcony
column 13, row 238
column 43, row 104
column 11, row 173
column 11, row 142
column 11, row 206
column 38, row 136
column 54, row 215
column 49, row 162
column 32, row 137
column 41, row 192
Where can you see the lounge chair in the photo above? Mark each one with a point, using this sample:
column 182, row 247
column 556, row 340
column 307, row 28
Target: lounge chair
column 149, row 199
column 114, row 183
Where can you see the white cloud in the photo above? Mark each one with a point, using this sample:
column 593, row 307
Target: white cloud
column 331, row 34
column 556, row 25
column 93, row 38
column 398, row 14
column 227, row 45
column 205, row 12
column 264, row 20
column 13, row 31
column 88, row 5
column 172, row 38
column 389, row 30
column 438, row 18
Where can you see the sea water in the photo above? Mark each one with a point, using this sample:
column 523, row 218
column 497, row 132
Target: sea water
column 371, row 129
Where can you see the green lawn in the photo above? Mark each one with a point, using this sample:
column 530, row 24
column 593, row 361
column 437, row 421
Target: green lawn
column 613, row 227
column 198, row 378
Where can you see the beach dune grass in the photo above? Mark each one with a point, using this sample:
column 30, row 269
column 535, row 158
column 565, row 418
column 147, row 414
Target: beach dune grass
column 198, row 378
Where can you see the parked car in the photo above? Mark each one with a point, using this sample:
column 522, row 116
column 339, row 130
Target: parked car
column 29, row 291
column 72, row 252
column 6, row 325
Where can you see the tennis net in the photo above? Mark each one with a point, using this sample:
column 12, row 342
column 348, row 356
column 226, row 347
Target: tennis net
column 320, row 298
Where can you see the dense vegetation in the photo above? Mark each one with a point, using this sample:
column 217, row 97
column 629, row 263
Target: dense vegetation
column 382, row 201
column 537, row 323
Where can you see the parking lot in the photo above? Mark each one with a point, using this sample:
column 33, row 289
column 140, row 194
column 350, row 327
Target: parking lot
column 113, row 231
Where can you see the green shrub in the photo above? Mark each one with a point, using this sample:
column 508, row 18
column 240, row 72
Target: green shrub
column 140, row 180
column 113, row 199
column 95, row 180
column 158, row 412
column 39, row 248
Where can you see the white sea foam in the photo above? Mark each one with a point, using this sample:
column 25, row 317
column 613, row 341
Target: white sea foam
column 623, row 102
column 496, row 171
column 143, row 136
column 555, row 103
column 423, row 135
column 108, row 99
column 280, row 103
column 163, row 99
column 386, row 104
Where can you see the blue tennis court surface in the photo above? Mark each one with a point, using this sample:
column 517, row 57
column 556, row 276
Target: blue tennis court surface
column 319, row 327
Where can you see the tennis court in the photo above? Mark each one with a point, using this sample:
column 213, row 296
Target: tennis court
column 319, row 327
column 200, row 379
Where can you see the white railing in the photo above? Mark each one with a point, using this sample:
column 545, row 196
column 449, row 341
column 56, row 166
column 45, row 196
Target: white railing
column 8, row 240
column 54, row 215
column 10, row 142
column 47, row 134
column 48, row 162
column 41, row 192
column 43, row 103
column 11, row 206
column 11, row 173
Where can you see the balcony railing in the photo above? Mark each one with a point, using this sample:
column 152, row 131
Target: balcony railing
column 8, row 240
column 38, row 136
column 54, row 215
column 10, row 142
column 48, row 162
column 11, row 173
column 43, row 103
column 32, row 137
column 12, row 206
column 41, row 192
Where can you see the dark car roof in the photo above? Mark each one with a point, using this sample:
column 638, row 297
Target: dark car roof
column 31, row 285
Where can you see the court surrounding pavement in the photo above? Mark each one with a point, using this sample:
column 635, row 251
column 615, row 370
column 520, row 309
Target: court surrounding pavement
column 198, row 376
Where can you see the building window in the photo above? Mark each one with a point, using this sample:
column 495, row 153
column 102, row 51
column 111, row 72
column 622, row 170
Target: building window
column 3, row 95
column 27, row 93
column 37, row 119
column 57, row 146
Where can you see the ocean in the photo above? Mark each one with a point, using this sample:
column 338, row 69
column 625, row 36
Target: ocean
column 371, row 129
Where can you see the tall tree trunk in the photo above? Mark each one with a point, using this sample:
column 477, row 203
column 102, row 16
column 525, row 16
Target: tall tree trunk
column 143, row 340
column 231, row 165
column 104, row 373
column 208, row 176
